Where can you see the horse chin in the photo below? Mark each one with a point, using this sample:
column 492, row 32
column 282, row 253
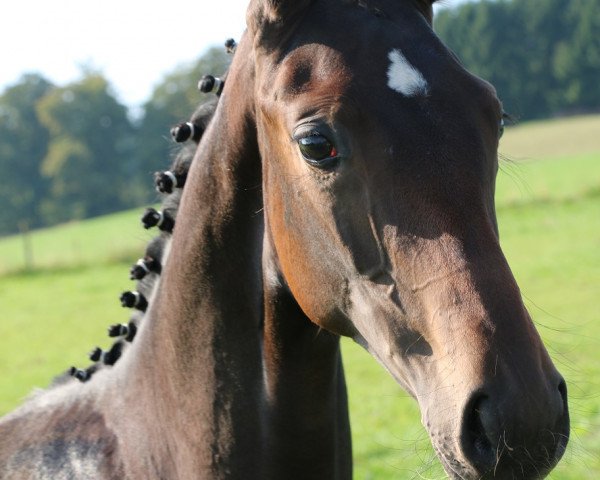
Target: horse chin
column 517, row 463
column 456, row 470
column 459, row 470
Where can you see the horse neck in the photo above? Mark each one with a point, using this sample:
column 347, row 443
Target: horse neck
column 305, row 387
column 197, row 362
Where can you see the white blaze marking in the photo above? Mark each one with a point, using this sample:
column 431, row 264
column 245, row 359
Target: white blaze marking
column 404, row 77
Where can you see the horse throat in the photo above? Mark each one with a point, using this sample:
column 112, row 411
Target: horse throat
column 305, row 390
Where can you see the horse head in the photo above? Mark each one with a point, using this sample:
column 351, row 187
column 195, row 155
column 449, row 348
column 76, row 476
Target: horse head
column 379, row 158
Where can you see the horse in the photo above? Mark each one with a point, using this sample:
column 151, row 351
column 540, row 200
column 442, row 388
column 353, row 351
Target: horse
column 344, row 187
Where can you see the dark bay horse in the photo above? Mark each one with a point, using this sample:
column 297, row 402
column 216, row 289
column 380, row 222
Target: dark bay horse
column 345, row 186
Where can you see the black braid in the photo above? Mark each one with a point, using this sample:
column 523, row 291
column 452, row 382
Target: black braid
column 186, row 131
column 96, row 354
column 118, row 330
column 230, row 45
column 147, row 269
column 164, row 219
column 111, row 356
column 131, row 332
column 210, row 84
column 166, row 181
column 127, row 331
column 143, row 267
column 82, row 375
column 134, row 300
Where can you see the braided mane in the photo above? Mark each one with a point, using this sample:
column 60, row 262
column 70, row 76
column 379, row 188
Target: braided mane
column 146, row 271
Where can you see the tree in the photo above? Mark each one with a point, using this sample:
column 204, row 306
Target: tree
column 89, row 164
column 23, row 146
column 576, row 60
column 543, row 56
column 71, row 152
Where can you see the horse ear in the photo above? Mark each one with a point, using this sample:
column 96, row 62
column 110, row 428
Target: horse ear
column 273, row 15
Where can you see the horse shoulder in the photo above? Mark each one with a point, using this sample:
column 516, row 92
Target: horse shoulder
column 58, row 434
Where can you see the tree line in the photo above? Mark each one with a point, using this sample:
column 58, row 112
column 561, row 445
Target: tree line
column 543, row 56
column 73, row 151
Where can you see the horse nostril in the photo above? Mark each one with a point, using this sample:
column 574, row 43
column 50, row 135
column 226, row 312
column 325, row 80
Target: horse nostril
column 478, row 427
column 561, row 433
column 562, row 389
column 500, row 434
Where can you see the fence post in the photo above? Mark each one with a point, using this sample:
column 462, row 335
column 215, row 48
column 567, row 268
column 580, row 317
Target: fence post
column 27, row 247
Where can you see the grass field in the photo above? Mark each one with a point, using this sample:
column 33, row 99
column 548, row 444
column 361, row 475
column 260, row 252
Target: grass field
column 549, row 213
column 107, row 239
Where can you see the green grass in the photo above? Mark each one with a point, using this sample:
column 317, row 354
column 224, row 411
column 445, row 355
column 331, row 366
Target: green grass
column 544, row 140
column 549, row 215
column 104, row 239
column 51, row 320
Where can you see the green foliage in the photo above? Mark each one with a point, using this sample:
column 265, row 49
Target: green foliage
column 543, row 56
column 90, row 160
column 72, row 152
column 23, row 145
column 68, row 152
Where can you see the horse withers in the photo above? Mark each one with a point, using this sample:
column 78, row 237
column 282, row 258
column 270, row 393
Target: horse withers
column 345, row 187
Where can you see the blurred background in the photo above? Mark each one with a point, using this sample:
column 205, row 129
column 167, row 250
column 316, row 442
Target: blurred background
column 88, row 92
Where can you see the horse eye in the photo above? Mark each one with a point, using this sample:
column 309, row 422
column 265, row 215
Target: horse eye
column 504, row 119
column 317, row 150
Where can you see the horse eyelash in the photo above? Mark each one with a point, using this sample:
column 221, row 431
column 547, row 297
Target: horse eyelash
column 509, row 118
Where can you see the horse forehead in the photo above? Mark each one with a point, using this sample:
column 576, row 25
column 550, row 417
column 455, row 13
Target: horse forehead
column 317, row 69
column 337, row 41
column 314, row 67
column 378, row 68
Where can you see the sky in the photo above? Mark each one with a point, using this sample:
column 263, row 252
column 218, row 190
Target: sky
column 133, row 43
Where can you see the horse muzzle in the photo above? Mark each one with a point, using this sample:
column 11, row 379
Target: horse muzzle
column 501, row 432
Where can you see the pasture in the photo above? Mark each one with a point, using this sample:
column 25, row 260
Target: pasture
column 548, row 203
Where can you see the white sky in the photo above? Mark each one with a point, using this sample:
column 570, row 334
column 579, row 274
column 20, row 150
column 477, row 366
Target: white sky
column 132, row 42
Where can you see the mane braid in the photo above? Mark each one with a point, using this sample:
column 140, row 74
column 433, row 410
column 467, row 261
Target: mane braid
column 147, row 269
